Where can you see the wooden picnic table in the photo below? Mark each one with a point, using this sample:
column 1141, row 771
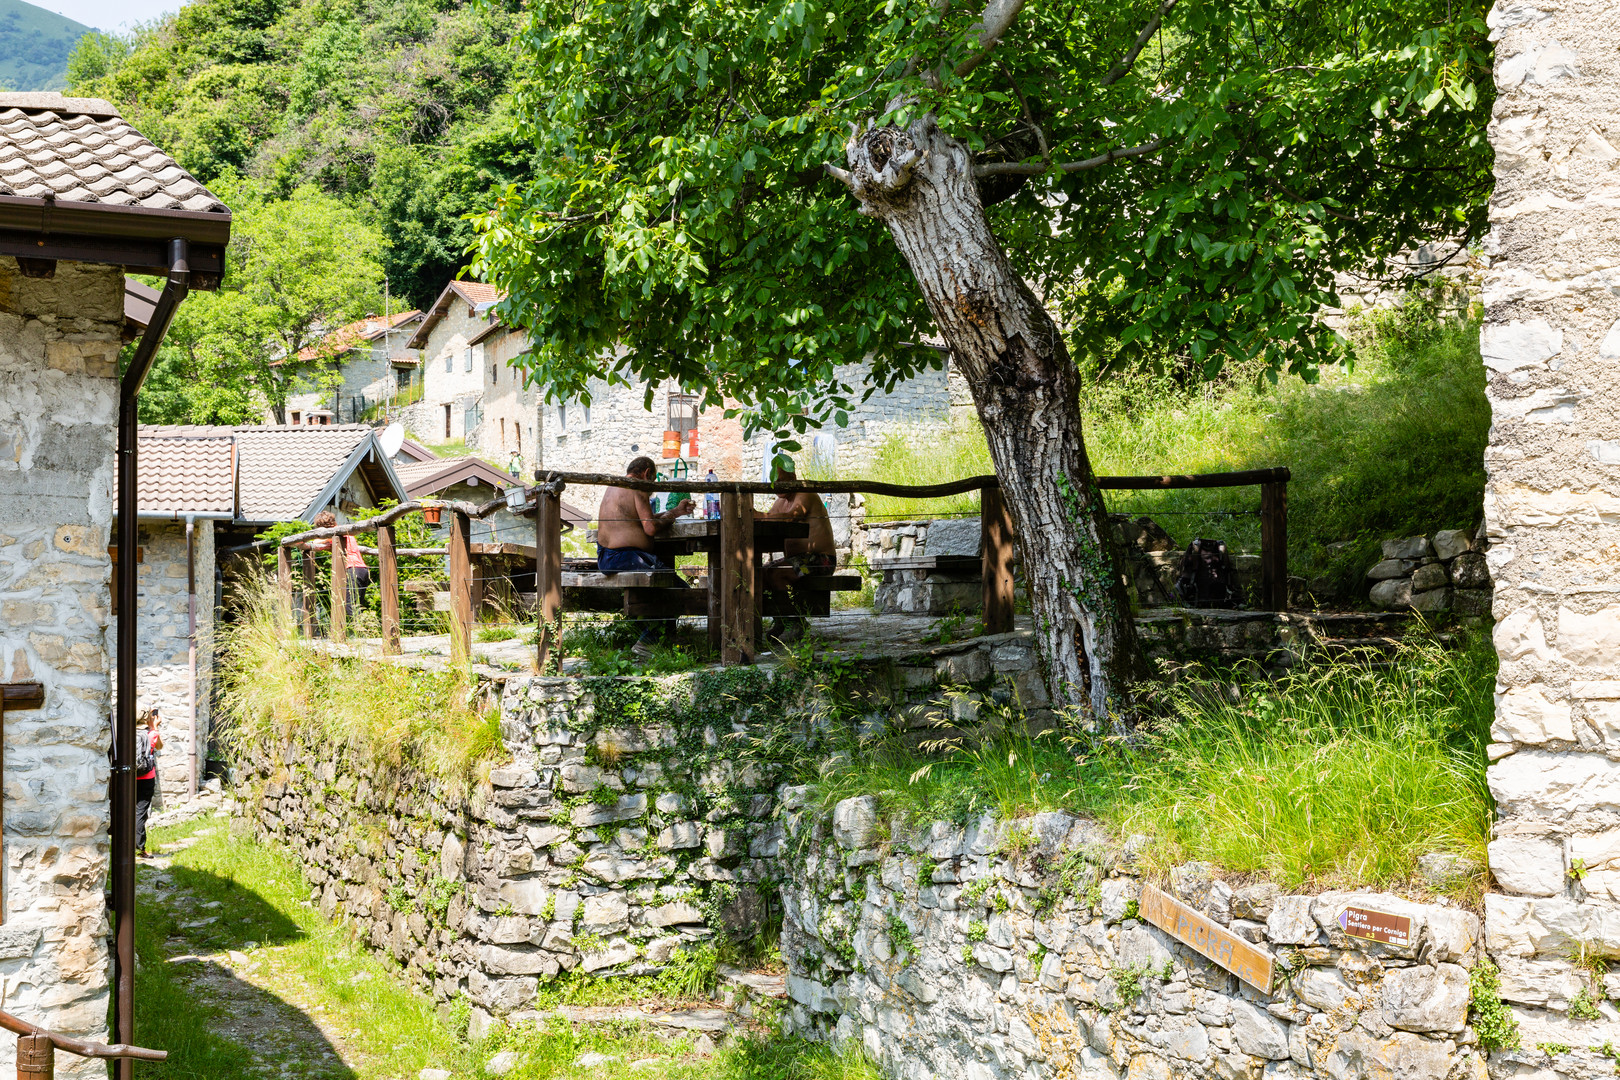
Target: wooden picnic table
column 656, row 594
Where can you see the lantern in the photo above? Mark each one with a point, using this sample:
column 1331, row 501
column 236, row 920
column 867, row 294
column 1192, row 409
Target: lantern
column 692, row 443
column 430, row 514
column 672, row 444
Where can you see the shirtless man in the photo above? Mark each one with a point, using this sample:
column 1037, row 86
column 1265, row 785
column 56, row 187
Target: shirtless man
column 625, row 527
column 815, row 555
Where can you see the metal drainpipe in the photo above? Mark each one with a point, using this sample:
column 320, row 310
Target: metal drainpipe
column 123, row 766
column 191, row 638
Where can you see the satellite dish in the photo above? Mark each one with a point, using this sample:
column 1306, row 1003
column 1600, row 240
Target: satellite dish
column 392, row 438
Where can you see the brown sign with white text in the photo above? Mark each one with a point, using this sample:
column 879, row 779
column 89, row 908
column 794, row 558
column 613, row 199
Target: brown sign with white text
column 1376, row 926
column 1207, row 937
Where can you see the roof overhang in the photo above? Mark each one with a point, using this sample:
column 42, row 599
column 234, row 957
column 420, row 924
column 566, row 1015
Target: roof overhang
column 459, row 471
column 134, row 237
column 366, row 452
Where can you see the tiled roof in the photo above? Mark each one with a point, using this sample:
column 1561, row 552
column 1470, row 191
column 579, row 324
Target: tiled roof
column 368, row 329
column 476, row 293
column 425, row 478
column 186, row 469
column 284, row 468
column 79, row 150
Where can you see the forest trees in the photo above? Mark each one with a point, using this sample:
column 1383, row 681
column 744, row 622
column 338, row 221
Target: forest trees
column 745, row 197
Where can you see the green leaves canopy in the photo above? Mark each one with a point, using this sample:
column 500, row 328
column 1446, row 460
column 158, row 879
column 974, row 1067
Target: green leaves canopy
column 680, row 214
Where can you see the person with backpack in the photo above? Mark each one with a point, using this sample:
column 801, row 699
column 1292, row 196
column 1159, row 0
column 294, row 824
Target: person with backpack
column 148, row 741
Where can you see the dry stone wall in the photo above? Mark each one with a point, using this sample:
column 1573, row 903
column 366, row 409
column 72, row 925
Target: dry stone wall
column 1552, row 509
column 59, row 342
column 999, row 950
column 1445, row 572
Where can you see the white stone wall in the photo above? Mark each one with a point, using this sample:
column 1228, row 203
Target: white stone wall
column 59, row 341
column 457, row 387
column 164, row 679
column 511, row 410
column 1552, row 505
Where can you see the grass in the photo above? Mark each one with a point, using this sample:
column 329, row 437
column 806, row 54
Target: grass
column 1393, row 446
column 275, row 685
column 1333, row 775
column 604, row 643
column 385, row 1030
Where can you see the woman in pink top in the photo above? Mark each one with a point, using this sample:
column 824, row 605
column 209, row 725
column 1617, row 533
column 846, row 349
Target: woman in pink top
column 148, row 741
column 359, row 574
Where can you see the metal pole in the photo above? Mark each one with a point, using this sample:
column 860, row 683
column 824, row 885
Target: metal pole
column 122, row 785
column 191, row 658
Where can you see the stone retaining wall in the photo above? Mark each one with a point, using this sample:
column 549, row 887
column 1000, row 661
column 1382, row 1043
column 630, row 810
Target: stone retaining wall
column 1014, row 950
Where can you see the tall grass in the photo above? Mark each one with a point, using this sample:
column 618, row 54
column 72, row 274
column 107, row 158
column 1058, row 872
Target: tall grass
column 1345, row 773
column 275, row 686
column 1393, row 445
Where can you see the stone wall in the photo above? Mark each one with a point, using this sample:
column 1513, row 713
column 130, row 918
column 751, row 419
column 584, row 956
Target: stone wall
column 1445, row 572
column 59, row 342
column 1552, row 506
column 1001, row 950
column 164, row 679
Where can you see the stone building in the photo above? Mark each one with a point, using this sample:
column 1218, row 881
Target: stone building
column 355, row 369
column 84, row 196
column 450, row 344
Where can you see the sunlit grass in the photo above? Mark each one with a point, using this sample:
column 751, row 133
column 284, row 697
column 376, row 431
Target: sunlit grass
column 1345, row 773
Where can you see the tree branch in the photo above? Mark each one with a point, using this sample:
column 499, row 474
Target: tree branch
column 1036, row 168
column 1123, row 68
column 998, row 16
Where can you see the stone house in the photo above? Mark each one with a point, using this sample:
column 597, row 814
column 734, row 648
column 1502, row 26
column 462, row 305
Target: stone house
column 359, row 367
column 203, row 489
column 83, row 197
column 450, row 342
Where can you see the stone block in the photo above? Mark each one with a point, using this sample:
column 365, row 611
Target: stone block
column 1450, row 543
column 855, row 822
column 606, row 912
column 1524, row 714
column 627, row 808
column 1431, row 576
column 1390, row 569
column 1425, row 998
column 1471, row 603
column 964, row 668
column 1470, row 571
column 1394, row 595
column 1554, row 786
column 1431, row 601
column 1528, row 866
column 1291, row 923
column 1257, row 1033
column 1517, row 344
column 1411, row 547
column 1591, row 639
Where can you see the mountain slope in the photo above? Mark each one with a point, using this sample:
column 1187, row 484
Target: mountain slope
column 34, row 46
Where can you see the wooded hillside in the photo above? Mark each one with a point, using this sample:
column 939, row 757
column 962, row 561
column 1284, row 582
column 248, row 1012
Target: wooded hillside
column 34, row 46
column 394, row 106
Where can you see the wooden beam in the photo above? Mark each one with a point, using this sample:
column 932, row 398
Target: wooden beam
column 1274, row 546
column 284, row 592
column 996, row 551
column 739, row 586
column 716, row 616
column 548, row 579
column 27, row 695
column 388, row 589
column 311, row 604
column 339, row 628
column 461, row 596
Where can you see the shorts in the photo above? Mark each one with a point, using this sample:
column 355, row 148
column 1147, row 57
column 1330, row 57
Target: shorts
column 623, row 560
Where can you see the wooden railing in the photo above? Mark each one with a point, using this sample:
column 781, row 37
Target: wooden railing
column 736, row 564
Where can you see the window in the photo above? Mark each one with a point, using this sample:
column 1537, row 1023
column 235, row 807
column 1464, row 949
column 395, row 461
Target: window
column 585, row 424
column 494, row 374
column 562, row 420
column 466, row 360
column 447, row 421
column 447, row 363
column 297, row 416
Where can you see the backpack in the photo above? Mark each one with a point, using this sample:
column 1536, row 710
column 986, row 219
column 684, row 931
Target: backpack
column 1206, row 575
column 145, row 758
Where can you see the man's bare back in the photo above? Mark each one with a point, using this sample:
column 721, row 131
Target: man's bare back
column 623, row 518
column 805, row 506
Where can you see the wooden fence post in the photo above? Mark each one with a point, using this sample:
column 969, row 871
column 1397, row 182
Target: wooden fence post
column 388, row 589
column 548, row 577
column 738, row 583
column 996, row 543
column 1274, row 546
column 340, row 595
column 311, row 604
column 461, row 609
column 284, row 590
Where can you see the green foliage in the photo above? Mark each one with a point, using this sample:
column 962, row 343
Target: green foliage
column 436, row 898
column 900, row 939
column 977, row 931
column 1128, row 981
column 1335, row 773
column 685, row 215
column 1584, row 1005
column 37, row 46
column 692, row 973
column 1491, row 1018
column 1552, row 1048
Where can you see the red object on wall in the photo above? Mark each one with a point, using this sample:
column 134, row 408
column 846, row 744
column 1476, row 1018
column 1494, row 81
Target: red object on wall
column 692, row 443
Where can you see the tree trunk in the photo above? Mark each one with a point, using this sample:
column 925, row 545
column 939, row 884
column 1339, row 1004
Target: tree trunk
column 919, row 182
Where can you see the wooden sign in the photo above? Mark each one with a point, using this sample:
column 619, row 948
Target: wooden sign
column 1376, row 926
column 1207, row 937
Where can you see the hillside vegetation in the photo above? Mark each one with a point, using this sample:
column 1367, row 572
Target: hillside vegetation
column 34, row 46
column 394, row 106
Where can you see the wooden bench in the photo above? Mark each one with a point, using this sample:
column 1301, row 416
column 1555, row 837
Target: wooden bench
column 657, row 594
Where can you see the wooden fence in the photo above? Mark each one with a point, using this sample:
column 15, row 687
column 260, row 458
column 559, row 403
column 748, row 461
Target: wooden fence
column 736, row 563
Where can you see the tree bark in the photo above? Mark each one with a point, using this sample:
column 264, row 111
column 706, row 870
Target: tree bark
column 919, row 182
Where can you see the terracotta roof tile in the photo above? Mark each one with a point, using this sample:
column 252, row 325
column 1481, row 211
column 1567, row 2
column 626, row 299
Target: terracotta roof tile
column 345, row 337
column 284, row 468
column 186, row 469
column 81, row 150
